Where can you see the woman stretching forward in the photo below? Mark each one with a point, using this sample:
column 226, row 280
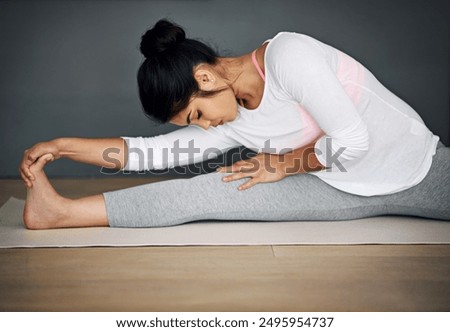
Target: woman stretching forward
column 333, row 143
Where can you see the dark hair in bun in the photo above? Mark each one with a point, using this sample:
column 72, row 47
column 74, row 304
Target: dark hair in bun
column 163, row 36
column 165, row 78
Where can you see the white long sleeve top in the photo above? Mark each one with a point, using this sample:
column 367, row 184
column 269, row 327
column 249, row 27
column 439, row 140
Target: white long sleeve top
column 372, row 141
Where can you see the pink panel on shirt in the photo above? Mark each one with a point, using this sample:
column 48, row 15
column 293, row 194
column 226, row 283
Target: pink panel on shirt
column 348, row 71
column 311, row 129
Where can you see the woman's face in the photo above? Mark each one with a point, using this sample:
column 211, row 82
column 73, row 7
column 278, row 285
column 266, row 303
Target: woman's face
column 205, row 112
column 212, row 111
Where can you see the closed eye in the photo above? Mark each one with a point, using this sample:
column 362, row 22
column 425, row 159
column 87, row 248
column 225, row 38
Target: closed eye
column 199, row 114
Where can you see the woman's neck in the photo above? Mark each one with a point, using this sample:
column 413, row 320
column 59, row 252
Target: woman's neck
column 241, row 76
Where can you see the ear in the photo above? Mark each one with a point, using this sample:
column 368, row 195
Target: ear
column 206, row 79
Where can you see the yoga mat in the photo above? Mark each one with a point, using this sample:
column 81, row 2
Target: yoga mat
column 376, row 230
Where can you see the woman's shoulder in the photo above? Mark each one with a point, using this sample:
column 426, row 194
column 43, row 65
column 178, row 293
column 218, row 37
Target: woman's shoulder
column 288, row 50
column 293, row 58
column 286, row 44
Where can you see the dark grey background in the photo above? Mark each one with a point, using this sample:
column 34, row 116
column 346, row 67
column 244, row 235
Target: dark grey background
column 68, row 68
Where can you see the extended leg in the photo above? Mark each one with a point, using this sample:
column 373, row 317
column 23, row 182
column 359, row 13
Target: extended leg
column 297, row 197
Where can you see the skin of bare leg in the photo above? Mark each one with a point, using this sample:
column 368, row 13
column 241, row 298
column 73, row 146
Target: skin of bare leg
column 45, row 208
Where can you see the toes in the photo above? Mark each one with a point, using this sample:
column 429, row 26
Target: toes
column 47, row 157
column 40, row 163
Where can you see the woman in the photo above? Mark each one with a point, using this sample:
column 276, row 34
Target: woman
column 343, row 145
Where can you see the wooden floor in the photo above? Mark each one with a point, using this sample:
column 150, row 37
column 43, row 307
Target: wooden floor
column 219, row 278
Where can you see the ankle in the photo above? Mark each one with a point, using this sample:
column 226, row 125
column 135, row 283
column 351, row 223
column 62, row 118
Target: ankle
column 63, row 213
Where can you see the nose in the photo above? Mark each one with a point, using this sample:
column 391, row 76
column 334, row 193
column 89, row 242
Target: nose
column 205, row 124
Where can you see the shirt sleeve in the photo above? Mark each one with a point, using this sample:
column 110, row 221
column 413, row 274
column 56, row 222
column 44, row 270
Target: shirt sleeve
column 190, row 144
column 305, row 74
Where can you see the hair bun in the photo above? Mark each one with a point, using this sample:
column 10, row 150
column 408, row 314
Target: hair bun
column 164, row 35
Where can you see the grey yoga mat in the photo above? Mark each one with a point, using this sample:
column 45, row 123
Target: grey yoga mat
column 376, row 230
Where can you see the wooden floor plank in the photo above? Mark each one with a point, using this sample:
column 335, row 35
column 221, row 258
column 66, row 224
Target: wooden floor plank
column 390, row 250
column 243, row 278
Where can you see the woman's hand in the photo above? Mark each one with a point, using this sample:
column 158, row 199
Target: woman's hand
column 32, row 154
column 263, row 167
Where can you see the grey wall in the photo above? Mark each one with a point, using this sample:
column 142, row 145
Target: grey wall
column 68, row 68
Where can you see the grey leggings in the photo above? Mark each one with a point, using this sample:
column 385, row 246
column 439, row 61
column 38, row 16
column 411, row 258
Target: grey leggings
column 296, row 197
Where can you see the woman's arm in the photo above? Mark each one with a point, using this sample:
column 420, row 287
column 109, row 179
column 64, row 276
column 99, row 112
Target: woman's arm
column 187, row 145
column 184, row 146
column 301, row 160
column 105, row 152
column 307, row 77
column 266, row 167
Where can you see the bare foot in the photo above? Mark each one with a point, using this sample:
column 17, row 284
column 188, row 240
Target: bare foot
column 44, row 207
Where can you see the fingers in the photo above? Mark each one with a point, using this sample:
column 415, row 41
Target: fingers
column 235, row 176
column 40, row 153
column 25, row 172
column 243, row 169
column 240, row 169
column 44, row 160
column 31, row 157
column 26, row 163
column 25, row 178
column 240, row 166
column 32, row 154
column 248, row 184
column 224, row 169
